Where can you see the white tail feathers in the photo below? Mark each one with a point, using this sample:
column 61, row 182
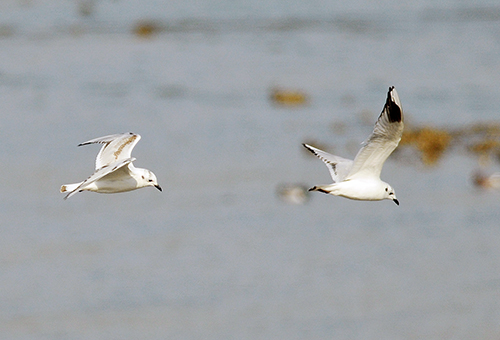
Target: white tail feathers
column 69, row 187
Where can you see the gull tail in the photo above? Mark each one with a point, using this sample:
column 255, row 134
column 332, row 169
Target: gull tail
column 321, row 188
column 69, row 187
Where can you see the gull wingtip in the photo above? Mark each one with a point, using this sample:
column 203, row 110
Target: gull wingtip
column 393, row 106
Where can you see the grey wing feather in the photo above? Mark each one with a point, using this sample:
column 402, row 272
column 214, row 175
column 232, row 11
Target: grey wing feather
column 383, row 140
column 339, row 167
column 100, row 173
column 116, row 147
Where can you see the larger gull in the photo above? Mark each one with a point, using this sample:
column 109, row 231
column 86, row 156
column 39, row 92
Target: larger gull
column 360, row 179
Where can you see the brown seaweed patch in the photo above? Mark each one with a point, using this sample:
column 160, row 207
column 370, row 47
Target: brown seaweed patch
column 145, row 29
column 431, row 142
column 289, row 97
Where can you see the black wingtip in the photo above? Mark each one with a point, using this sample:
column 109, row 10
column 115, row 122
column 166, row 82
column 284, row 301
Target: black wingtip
column 396, row 201
column 84, row 143
column 309, row 149
column 393, row 109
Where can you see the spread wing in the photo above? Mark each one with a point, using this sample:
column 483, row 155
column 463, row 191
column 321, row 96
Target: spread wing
column 339, row 167
column 116, row 147
column 100, row 173
column 383, row 140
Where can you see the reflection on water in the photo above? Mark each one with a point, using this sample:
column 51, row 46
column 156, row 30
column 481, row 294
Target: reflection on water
column 222, row 253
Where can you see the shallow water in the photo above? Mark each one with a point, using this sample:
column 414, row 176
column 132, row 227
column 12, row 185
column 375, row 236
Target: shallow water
column 218, row 255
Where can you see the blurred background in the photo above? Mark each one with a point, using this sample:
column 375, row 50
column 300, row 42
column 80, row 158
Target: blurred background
column 224, row 93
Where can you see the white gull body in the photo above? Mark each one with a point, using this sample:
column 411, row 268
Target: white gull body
column 360, row 179
column 114, row 171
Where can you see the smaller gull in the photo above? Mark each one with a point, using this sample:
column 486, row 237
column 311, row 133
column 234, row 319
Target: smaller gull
column 114, row 169
column 360, row 179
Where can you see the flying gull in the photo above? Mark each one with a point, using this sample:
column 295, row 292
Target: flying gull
column 114, row 171
column 360, row 179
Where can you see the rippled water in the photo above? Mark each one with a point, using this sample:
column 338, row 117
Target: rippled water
column 218, row 255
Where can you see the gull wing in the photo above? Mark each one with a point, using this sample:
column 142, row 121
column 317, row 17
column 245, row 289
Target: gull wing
column 383, row 140
column 100, row 173
column 116, row 147
column 339, row 167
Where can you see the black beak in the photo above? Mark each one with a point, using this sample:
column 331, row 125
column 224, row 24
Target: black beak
column 158, row 187
column 396, row 201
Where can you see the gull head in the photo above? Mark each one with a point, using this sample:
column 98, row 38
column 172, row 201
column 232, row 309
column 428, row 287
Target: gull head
column 148, row 179
column 390, row 194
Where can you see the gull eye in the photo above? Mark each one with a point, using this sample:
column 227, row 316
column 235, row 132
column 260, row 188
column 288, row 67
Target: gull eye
column 386, row 189
column 143, row 178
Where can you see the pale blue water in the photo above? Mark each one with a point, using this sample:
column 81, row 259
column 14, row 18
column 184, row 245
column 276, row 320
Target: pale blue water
column 217, row 255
